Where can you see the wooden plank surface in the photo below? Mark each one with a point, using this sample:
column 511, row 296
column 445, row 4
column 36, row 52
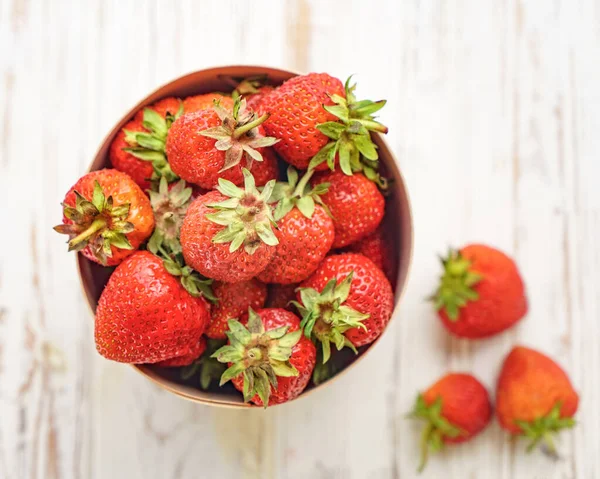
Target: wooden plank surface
column 494, row 115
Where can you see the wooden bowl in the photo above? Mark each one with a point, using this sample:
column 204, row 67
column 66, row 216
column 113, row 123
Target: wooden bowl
column 397, row 219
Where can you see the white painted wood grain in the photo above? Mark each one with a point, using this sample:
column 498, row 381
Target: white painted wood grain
column 494, row 113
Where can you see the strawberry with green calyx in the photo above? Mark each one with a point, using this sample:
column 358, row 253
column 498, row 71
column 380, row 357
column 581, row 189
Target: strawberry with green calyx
column 150, row 145
column 207, row 368
column 260, row 356
column 326, row 318
column 456, row 408
column 304, row 229
column 227, row 234
column 107, row 216
column 350, row 135
column 208, row 145
column 254, row 89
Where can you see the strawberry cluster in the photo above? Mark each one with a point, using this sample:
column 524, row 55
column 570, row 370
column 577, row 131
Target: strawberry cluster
column 246, row 233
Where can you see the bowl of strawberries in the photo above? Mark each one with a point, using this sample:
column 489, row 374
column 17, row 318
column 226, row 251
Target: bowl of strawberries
column 243, row 234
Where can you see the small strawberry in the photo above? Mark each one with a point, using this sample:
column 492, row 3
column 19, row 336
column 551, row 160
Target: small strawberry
column 226, row 234
column 297, row 107
column 378, row 248
column 107, row 216
column 281, row 296
column 206, row 368
column 139, row 148
column 254, row 90
column 304, row 230
column 145, row 315
column 269, row 361
column 209, row 144
column 234, row 299
column 534, row 397
column 347, row 301
column 206, row 101
column 456, row 408
column 186, row 359
column 481, row 292
column 355, row 203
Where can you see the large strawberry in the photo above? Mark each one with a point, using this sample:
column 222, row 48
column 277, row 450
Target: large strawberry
column 456, row 408
column 347, row 301
column 296, row 109
column 269, row 361
column 534, row 397
column 145, row 315
column 139, row 148
column 355, row 203
column 481, row 292
column 226, row 234
column 209, row 144
column 304, row 230
column 107, row 216
column 233, row 301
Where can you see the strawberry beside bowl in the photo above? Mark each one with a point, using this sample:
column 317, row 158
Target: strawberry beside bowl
column 397, row 223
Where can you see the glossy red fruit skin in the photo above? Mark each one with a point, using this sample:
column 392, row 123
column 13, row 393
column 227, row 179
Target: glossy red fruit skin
column 256, row 101
column 502, row 300
column 214, row 260
column 194, row 157
column 162, row 107
column 370, row 292
column 139, row 170
column 123, row 190
column 304, row 358
column 186, row 359
column 205, row 101
column 303, row 243
column 234, row 301
column 356, row 204
column 145, row 315
column 529, row 386
column 296, row 108
column 280, row 295
column 465, row 404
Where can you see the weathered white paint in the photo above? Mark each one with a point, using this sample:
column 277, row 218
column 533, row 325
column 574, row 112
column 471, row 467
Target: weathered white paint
column 493, row 112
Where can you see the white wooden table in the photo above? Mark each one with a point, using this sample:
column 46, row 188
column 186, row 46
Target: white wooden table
column 494, row 113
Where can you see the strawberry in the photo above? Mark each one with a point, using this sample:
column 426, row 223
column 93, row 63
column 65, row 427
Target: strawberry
column 226, row 234
column 234, row 299
column 347, row 301
column 377, row 248
column 269, row 361
column 534, row 397
column 254, row 90
column 139, row 148
column 107, row 216
column 145, row 315
column 304, row 230
column 281, row 296
column 481, row 292
column 355, row 203
column 186, row 359
column 456, row 408
column 206, row 101
column 205, row 367
column 210, row 144
column 296, row 108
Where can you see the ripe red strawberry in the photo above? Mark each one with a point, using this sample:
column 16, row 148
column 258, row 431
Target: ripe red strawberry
column 296, row 108
column 456, row 408
column 210, row 144
column 186, row 359
column 206, row 101
column 270, row 361
column 481, row 292
column 234, row 299
column 255, row 91
column 534, row 397
column 304, row 230
column 355, row 203
column 281, row 295
column 145, row 315
column 347, row 301
column 226, row 234
column 139, row 148
column 378, row 249
column 107, row 216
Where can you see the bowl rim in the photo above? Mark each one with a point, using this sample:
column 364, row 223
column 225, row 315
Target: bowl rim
column 402, row 275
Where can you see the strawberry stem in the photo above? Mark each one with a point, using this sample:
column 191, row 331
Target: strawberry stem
column 249, row 126
column 96, row 225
